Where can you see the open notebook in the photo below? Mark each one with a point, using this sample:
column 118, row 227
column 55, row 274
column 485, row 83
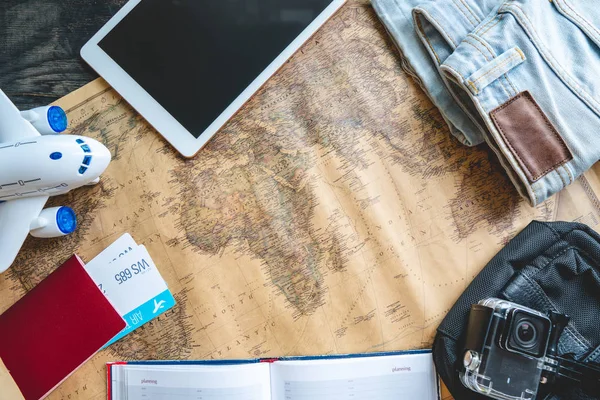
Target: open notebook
column 389, row 376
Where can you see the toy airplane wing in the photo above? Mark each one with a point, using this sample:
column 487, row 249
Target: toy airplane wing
column 16, row 217
column 13, row 126
column 16, row 125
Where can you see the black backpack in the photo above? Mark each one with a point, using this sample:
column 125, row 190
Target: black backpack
column 549, row 266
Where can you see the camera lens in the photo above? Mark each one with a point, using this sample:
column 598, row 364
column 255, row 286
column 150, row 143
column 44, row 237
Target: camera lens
column 526, row 333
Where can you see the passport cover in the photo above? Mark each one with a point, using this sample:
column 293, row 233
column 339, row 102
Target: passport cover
column 55, row 328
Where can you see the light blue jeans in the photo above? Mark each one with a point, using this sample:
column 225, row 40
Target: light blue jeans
column 522, row 75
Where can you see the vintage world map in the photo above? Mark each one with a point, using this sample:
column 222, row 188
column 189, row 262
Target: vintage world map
column 334, row 214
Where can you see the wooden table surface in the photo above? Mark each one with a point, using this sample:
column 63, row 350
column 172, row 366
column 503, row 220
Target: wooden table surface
column 40, row 42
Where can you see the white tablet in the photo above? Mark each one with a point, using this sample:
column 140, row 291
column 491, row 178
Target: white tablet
column 188, row 66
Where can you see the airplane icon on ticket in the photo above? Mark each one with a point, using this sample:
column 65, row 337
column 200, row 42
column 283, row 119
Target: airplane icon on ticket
column 158, row 306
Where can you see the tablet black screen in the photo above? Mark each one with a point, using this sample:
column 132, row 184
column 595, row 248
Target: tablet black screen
column 195, row 57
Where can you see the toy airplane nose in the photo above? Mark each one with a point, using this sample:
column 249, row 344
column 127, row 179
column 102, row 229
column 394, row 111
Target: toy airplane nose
column 96, row 157
column 104, row 156
column 101, row 152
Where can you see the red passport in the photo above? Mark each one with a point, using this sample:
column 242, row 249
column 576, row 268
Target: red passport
column 55, row 328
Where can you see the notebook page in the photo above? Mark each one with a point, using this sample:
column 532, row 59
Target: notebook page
column 206, row 382
column 397, row 377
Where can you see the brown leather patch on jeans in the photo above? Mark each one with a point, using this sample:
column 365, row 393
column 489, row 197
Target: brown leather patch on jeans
column 531, row 137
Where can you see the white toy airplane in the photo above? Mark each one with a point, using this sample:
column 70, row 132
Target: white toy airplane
column 34, row 167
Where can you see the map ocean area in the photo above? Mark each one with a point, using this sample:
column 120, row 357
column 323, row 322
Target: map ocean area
column 317, row 379
column 334, row 214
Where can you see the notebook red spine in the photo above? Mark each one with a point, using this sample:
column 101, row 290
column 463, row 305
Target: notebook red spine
column 109, row 377
column 55, row 328
column 268, row 360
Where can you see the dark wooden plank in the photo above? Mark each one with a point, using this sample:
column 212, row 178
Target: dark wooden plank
column 40, row 42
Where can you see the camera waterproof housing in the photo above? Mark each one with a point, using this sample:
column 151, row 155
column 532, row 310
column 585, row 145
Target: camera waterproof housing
column 505, row 350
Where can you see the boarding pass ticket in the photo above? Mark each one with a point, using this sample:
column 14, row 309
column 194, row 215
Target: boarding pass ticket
column 128, row 277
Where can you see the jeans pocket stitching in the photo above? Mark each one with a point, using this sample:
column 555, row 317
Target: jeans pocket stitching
column 488, row 26
column 484, row 44
column 515, row 91
column 471, row 11
column 549, row 58
column 463, row 13
column 467, row 41
column 594, row 31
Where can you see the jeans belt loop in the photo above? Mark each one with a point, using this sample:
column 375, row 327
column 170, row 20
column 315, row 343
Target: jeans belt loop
column 494, row 69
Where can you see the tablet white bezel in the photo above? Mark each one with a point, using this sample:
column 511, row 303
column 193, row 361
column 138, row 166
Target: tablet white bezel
column 154, row 113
